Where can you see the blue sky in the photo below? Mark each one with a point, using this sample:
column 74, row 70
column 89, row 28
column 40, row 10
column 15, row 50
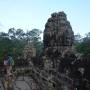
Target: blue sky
column 29, row 14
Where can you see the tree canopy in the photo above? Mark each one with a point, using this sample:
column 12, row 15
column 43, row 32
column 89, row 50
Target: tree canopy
column 83, row 44
column 15, row 40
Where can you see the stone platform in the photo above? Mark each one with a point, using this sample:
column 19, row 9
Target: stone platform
column 22, row 83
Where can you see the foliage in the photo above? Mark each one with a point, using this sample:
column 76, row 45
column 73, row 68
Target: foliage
column 84, row 45
column 77, row 38
column 34, row 35
column 15, row 40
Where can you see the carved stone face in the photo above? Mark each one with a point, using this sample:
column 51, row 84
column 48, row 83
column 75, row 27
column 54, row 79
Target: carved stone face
column 59, row 33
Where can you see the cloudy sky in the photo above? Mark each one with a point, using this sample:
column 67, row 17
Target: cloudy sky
column 29, row 14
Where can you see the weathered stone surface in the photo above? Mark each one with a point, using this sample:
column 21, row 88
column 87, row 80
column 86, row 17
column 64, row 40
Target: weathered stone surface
column 58, row 43
column 25, row 83
column 58, row 34
column 29, row 51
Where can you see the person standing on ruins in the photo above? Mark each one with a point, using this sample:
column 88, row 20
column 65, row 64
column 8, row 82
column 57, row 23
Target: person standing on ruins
column 11, row 64
column 8, row 64
column 5, row 60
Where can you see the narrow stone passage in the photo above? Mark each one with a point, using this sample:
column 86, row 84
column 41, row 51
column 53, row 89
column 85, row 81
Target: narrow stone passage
column 24, row 83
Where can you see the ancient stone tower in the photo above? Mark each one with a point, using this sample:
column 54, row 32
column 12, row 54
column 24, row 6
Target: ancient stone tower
column 29, row 51
column 58, row 35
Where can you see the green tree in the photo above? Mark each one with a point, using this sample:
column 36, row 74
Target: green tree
column 5, row 45
column 77, row 38
column 15, row 40
column 34, row 35
column 20, row 34
column 3, row 34
column 12, row 33
column 84, row 45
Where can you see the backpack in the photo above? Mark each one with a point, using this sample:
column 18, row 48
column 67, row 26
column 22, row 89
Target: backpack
column 10, row 61
column 5, row 62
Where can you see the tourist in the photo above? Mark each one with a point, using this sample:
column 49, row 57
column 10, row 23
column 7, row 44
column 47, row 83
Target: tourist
column 10, row 64
column 5, row 63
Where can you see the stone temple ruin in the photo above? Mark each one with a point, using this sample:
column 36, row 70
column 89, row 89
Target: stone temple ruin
column 58, row 34
column 58, row 37
column 58, row 55
column 58, row 43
